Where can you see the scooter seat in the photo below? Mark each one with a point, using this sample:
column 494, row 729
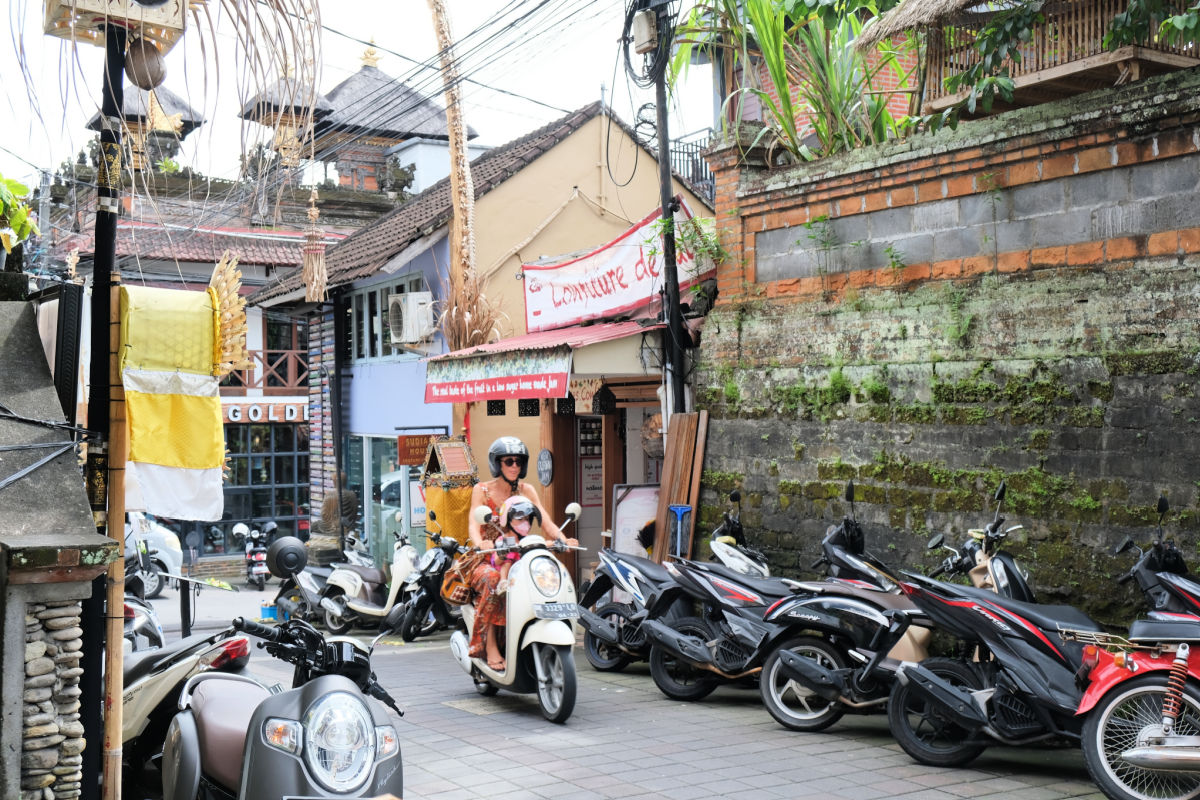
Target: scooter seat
column 653, row 571
column 878, row 597
column 222, row 710
column 1163, row 630
column 769, row 587
column 140, row 664
column 368, row 574
column 1050, row 618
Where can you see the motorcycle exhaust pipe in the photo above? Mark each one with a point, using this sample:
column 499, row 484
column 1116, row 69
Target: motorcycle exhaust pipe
column 332, row 606
column 955, row 702
column 598, row 626
column 689, row 648
column 813, row 676
column 1164, row 758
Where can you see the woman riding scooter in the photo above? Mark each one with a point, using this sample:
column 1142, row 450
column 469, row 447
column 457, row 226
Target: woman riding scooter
column 508, row 459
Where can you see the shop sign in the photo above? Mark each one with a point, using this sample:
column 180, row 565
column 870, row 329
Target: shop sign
column 410, row 450
column 266, row 412
column 499, row 376
column 622, row 276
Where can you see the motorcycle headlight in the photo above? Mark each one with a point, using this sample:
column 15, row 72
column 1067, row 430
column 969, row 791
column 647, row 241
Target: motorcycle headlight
column 546, row 576
column 339, row 742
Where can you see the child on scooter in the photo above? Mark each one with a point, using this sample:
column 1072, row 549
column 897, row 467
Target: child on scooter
column 517, row 516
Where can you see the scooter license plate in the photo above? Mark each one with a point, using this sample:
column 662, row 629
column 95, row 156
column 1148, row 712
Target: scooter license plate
column 259, row 569
column 556, row 611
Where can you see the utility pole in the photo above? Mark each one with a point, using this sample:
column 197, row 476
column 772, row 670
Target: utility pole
column 675, row 332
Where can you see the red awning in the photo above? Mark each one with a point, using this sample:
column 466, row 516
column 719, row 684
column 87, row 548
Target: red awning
column 536, row 365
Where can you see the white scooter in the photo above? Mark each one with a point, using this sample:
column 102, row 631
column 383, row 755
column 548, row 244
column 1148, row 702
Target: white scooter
column 364, row 595
column 539, row 627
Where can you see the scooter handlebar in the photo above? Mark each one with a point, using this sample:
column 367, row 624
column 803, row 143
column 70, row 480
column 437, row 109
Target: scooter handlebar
column 256, row 629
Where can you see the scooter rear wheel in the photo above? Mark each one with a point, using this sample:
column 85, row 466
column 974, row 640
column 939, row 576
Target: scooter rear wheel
column 605, row 657
column 921, row 731
column 1113, row 727
column 676, row 678
column 556, row 689
column 793, row 705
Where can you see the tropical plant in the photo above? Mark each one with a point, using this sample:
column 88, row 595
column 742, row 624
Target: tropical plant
column 16, row 224
column 821, row 87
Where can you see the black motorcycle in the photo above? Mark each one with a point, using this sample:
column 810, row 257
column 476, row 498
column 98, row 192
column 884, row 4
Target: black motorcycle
column 426, row 611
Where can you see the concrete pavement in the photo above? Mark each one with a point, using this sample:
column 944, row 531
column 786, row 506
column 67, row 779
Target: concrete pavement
column 626, row 740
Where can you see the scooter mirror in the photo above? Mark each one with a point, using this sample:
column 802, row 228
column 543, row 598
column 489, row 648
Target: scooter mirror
column 1125, row 544
column 850, row 492
column 482, row 514
column 735, row 496
column 1001, row 491
column 936, row 541
column 432, row 514
column 574, row 510
column 1163, row 505
column 286, row 557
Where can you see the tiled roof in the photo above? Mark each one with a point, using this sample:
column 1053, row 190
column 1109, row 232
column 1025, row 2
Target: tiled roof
column 136, row 106
column 369, row 248
column 142, row 240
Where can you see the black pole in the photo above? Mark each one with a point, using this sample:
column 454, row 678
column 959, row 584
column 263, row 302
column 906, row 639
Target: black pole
column 108, row 179
column 674, row 345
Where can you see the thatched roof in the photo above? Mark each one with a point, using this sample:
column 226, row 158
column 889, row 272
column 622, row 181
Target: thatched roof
column 136, row 107
column 918, row 14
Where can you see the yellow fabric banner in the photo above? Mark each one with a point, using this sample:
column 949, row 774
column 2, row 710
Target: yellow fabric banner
column 175, row 430
column 169, row 330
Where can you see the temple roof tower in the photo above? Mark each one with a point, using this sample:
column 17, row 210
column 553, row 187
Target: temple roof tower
column 156, row 121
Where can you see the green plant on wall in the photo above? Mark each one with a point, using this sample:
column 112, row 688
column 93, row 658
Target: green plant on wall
column 958, row 324
column 16, row 222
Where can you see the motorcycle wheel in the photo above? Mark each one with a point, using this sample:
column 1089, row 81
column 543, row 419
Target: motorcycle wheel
column 793, row 705
column 410, row 626
column 1112, row 727
column 261, row 582
column 918, row 727
column 678, row 679
column 605, row 657
column 152, row 581
column 486, row 689
column 337, row 624
column 556, row 691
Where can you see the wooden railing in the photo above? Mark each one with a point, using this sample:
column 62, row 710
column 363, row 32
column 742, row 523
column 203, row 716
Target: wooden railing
column 276, row 372
column 1072, row 34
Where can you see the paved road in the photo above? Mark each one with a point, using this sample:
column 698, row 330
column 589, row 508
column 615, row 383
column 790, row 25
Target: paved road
column 626, row 740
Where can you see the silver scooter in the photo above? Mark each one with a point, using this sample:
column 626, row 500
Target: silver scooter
column 329, row 736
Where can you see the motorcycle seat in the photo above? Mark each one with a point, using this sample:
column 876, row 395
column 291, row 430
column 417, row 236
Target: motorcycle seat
column 1163, row 630
column 223, row 709
column 652, row 570
column 368, row 574
column 140, row 664
column 1051, row 618
column 878, row 597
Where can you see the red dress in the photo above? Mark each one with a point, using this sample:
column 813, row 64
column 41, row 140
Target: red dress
column 489, row 607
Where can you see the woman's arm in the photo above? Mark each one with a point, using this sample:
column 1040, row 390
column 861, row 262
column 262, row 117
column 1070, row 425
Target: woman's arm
column 474, row 529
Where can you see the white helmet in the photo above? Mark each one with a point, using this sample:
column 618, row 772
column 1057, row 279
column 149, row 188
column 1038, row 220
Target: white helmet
column 241, row 530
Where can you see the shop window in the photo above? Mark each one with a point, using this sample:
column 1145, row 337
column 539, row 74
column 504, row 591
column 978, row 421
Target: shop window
column 496, row 408
column 530, row 407
column 566, row 406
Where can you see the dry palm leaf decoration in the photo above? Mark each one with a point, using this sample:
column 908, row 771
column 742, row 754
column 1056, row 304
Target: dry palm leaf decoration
column 230, row 347
column 314, row 274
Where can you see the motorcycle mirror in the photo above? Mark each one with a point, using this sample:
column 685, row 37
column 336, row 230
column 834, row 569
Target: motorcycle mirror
column 432, row 514
column 286, row 556
column 1125, row 544
column 574, row 511
column 850, row 492
column 936, row 542
column 1000, row 492
column 482, row 514
column 735, row 496
column 1163, row 506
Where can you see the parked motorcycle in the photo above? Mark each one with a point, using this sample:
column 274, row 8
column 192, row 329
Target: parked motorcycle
column 142, row 628
column 425, row 612
column 255, row 542
column 358, row 595
column 867, row 627
column 329, row 736
column 539, row 634
column 300, row 595
column 151, row 686
column 728, row 543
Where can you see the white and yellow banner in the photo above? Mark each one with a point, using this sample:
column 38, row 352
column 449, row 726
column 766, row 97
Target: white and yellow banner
column 169, row 348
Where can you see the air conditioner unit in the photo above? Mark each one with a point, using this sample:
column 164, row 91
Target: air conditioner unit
column 410, row 317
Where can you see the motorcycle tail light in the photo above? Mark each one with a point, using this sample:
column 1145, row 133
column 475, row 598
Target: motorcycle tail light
column 283, row 734
column 1091, row 657
column 229, row 651
column 386, row 741
column 129, row 612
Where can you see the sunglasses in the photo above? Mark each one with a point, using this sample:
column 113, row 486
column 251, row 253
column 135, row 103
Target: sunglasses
column 511, row 461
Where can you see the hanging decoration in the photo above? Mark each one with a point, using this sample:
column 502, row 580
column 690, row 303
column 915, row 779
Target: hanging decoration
column 314, row 275
column 225, row 291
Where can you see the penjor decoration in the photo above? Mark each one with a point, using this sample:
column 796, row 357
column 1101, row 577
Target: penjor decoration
column 314, row 275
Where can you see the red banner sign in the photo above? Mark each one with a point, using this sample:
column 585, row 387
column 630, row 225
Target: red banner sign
column 537, row 385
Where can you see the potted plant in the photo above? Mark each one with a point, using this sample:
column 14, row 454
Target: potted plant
column 16, row 224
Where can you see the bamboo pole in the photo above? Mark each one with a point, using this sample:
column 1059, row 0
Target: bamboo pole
column 114, row 655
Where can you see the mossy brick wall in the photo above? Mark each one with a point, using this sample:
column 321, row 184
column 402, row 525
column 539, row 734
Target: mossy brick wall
column 1016, row 300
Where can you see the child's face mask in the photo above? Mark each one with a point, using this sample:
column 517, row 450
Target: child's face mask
column 520, row 526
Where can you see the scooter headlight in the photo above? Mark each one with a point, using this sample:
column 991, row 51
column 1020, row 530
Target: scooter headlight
column 546, row 576
column 339, row 742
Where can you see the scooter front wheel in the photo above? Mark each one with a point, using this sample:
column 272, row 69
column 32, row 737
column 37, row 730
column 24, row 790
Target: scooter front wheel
column 337, row 624
column 556, row 687
column 1115, row 725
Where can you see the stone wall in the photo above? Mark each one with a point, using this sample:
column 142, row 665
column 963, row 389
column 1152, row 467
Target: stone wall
column 52, row 744
column 1016, row 300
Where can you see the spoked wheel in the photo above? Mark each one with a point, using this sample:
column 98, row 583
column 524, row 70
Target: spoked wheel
column 921, row 730
column 556, row 688
column 676, row 678
column 605, row 657
column 792, row 704
column 1114, row 726
column 338, row 624
column 153, row 581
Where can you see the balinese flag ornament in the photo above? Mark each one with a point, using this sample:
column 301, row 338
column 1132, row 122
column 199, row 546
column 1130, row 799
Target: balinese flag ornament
column 174, row 346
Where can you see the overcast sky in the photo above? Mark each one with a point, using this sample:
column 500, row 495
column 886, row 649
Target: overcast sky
column 47, row 111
